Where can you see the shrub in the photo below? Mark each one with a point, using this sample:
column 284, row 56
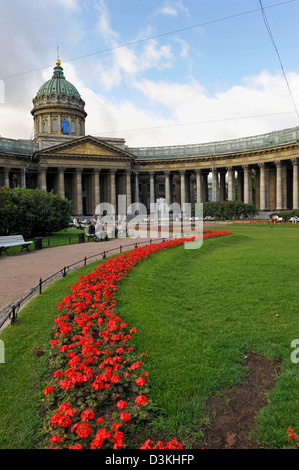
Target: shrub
column 228, row 210
column 32, row 212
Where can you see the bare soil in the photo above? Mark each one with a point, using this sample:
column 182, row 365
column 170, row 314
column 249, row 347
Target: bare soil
column 233, row 410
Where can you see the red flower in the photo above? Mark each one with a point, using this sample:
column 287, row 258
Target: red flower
column 48, row 389
column 125, row 416
column 121, row 404
column 82, row 430
column 87, row 414
column 141, row 399
column 55, row 438
column 140, row 381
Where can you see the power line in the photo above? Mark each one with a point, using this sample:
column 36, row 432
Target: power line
column 193, row 123
column 278, row 55
column 132, row 43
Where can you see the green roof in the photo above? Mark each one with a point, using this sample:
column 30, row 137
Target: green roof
column 58, row 85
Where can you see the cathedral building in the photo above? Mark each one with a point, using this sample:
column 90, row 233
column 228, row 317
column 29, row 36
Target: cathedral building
column 88, row 170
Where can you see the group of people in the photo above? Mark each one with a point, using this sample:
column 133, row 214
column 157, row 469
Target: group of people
column 100, row 229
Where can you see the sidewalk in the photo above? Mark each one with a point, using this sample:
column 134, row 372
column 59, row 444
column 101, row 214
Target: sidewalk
column 19, row 273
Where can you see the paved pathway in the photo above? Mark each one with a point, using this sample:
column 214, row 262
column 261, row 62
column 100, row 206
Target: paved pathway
column 19, row 273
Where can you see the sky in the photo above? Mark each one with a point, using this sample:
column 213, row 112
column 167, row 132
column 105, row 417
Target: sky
column 156, row 73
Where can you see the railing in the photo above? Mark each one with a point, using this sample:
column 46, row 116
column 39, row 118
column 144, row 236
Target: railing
column 209, row 149
column 10, row 312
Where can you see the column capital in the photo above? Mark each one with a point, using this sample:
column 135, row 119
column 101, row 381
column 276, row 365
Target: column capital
column 245, row 167
column 182, row 172
column 61, row 169
column 294, row 161
column 167, row 173
column 42, row 169
column 96, row 171
column 262, row 165
column 198, row 171
column 79, row 170
column 277, row 163
column 7, row 169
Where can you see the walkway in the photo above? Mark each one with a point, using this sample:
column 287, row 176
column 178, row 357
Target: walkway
column 19, row 273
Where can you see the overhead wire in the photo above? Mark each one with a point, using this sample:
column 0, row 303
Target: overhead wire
column 267, row 25
column 138, row 41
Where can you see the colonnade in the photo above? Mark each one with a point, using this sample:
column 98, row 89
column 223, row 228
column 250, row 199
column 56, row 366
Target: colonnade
column 269, row 185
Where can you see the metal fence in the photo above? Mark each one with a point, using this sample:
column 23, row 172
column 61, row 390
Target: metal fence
column 10, row 312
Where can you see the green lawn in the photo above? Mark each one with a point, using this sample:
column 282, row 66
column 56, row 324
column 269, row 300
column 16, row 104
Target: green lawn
column 197, row 312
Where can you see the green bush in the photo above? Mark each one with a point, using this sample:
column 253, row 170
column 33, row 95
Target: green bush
column 229, row 210
column 32, row 212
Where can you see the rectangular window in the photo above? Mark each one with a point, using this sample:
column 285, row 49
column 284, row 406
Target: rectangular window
column 80, row 130
column 54, row 125
column 73, row 127
column 45, row 126
column 65, row 126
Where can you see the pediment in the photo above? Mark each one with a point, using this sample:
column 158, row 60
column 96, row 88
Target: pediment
column 86, row 146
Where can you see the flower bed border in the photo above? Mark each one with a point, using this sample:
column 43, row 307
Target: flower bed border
column 97, row 396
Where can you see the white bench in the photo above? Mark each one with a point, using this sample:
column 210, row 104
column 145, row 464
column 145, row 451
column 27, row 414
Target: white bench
column 13, row 240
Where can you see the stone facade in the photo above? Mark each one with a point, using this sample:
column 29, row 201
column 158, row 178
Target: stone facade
column 87, row 170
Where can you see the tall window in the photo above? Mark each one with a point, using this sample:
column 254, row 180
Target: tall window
column 54, row 125
column 45, row 126
column 73, row 127
column 80, row 128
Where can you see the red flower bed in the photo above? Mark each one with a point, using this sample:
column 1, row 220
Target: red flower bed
column 97, row 396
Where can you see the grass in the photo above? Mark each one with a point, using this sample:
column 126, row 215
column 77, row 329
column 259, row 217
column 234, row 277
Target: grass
column 23, row 375
column 197, row 312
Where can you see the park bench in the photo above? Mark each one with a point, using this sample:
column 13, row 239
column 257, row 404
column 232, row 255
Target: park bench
column 98, row 235
column 13, row 240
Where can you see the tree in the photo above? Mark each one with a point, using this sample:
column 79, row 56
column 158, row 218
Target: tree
column 32, row 212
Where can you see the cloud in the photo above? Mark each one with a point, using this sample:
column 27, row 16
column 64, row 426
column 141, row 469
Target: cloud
column 171, row 9
column 104, row 26
column 73, row 4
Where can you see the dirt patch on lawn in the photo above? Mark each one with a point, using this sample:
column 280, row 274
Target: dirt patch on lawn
column 233, row 410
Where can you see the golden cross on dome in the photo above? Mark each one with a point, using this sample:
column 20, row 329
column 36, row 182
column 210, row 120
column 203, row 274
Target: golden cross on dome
column 58, row 62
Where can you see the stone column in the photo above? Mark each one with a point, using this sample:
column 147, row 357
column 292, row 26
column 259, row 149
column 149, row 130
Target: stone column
column 278, row 186
column 215, row 185
column 61, row 189
column 167, row 188
column 183, row 188
column 112, row 189
column 6, row 177
column 42, row 178
column 128, row 189
column 231, row 184
column 23, row 178
column 262, row 187
column 295, row 184
column 152, row 187
column 199, row 189
column 246, row 184
column 96, row 188
column 78, row 191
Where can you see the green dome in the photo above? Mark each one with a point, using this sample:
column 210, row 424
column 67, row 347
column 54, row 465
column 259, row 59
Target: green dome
column 58, row 85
